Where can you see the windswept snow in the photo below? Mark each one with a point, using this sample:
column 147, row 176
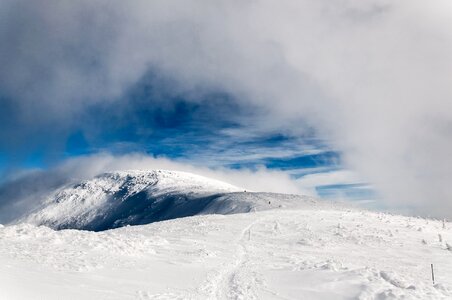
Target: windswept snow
column 309, row 253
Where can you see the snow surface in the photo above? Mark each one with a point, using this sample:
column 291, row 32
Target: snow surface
column 278, row 254
column 290, row 248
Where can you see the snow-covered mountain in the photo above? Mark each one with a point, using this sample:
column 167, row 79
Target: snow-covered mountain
column 123, row 198
column 255, row 246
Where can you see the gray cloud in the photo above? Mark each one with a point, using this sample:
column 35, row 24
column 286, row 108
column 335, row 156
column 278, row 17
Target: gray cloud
column 373, row 76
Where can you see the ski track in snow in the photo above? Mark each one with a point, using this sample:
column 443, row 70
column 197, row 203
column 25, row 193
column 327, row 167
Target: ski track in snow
column 309, row 253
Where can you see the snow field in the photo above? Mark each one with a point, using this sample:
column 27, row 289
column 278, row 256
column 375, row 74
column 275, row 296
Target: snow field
column 307, row 253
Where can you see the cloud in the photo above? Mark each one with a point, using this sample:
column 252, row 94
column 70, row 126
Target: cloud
column 338, row 177
column 372, row 77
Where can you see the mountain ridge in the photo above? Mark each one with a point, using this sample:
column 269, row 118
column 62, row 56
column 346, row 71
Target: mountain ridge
column 134, row 197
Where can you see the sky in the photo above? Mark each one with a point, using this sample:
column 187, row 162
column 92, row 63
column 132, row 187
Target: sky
column 345, row 99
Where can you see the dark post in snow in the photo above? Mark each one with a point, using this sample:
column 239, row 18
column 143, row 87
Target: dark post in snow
column 433, row 275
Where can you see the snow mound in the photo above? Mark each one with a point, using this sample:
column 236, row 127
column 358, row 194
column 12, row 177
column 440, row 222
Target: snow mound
column 123, row 198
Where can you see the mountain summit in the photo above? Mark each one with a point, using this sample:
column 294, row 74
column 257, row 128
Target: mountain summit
column 122, row 198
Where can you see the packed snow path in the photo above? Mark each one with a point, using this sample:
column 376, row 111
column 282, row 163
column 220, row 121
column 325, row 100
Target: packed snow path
column 313, row 253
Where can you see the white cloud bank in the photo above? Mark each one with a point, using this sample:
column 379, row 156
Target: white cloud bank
column 372, row 76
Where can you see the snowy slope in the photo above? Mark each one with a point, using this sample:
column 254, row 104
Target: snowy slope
column 117, row 199
column 306, row 253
